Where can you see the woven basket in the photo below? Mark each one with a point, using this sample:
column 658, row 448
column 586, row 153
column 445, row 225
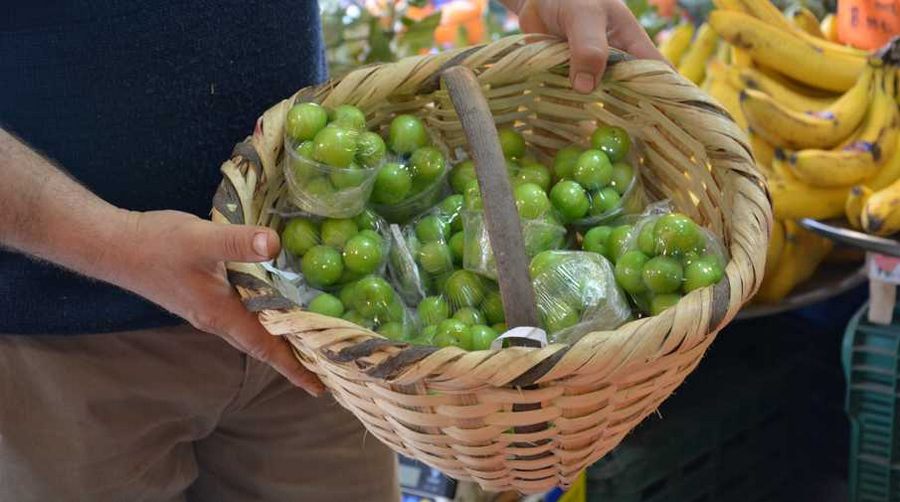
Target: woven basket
column 520, row 418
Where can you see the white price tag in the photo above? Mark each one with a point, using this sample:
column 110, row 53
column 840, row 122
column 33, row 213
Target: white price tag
column 521, row 332
column 884, row 268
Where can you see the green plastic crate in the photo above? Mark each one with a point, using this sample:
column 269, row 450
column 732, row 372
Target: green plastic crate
column 871, row 359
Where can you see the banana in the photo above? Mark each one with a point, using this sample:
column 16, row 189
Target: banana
column 763, row 151
column 789, row 54
column 693, row 63
column 740, row 58
column 792, row 200
column 779, row 282
column 765, row 11
column 829, row 28
column 727, row 95
column 860, row 159
column 856, row 201
column 889, row 172
column 678, row 42
column 752, row 78
column 787, row 128
column 780, row 168
column 804, row 20
column 881, row 214
column 812, row 249
column 776, row 247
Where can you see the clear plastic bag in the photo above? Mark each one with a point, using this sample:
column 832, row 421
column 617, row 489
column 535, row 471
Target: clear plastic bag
column 576, row 293
column 660, row 257
column 330, row 252
column 426, row 250
column 538, row 234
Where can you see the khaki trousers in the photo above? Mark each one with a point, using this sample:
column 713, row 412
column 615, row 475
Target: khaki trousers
column 172, row 414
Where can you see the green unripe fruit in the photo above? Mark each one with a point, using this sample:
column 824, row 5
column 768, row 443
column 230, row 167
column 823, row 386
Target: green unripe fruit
column 406, row 134
column 299, row 236
column 304, row 121
column 349, row 116
column 392, row 184
column 564, row 162
column 593, row 170
column 629, row 272
column 335, row 146
column 322, row 266
column 435, row 257
column 362, row 254
column 622, row 176
column 433, row 310
column 327, row 304
column 370, row 149
column 596, row 240
column 512, row 143
column 461, row 175
column 336, row 232
column 570, row 199
column 469, row 316
column 613, row 141
column 663, row 274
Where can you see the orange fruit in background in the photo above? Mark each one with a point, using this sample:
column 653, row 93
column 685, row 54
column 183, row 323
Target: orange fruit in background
column 468, row 14
column 666, row 8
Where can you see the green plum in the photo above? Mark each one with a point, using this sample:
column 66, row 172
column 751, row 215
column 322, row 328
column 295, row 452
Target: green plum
column 433, row 310
column 428, row 164
column 461, row 175
column 464, row 289
column 613, row 141
column 604, row 201
column 564, row 161
column 327, row 304
column 593, row 170
column 663, row 274
column 362, row 254
column 458, row 246
column 322, row 266
column 392, row 184
column 677, row 234
column 370, row 149
column 531, row 201
column 432, row 228
column 702, row 272
column 435, row 257
column 304, row 121
column 482, row 336
column 337, row 231
column 349, row 116
column 469, row 316
column 373, row 296
column 406, row 134
column 629, row 272
column 512, row 143
column 299, row 236
column 622, row 176
column 570, row 199
column 659, row 303
column 596, row 240
column 335, row 146
column 492, row 306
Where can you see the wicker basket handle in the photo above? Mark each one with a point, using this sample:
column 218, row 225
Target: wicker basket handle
column 501, row 216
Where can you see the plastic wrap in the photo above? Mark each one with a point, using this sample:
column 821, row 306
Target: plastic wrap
column 330, row 161
column 599, row 184
column 539, row 235
column 372, row 303
column 466, row 311
column 660, row 257
column 426, row 250
column 414, row 176
column 330, row 252
column 576, row 293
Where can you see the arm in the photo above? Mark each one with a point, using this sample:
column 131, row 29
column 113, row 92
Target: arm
column 50, row 216
column 590, row 26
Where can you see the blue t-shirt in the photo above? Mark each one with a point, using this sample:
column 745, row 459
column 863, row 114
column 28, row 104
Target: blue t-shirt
column 141, row 102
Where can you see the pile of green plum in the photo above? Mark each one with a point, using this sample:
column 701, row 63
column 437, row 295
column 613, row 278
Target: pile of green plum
column 468, row 313
column 659, row 259
column 591, row 183
column 335, row 251
column 410, row 181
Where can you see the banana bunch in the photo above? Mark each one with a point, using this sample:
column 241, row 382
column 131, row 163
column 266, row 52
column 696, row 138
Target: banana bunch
column 690, row 49
column 823, row 124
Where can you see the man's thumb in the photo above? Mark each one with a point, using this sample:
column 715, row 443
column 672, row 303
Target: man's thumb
column 243, row 243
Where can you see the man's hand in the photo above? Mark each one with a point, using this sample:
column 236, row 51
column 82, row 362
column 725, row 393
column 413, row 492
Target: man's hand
column 173, row 259
column 590, row 26
column 176, row 261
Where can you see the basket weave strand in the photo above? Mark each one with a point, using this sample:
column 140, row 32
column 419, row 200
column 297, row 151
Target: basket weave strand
column 454, row 409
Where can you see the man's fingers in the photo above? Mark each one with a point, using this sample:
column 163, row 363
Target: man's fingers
column 587, row 41
column 627, row 34
column 242, row 243
column 244, row 331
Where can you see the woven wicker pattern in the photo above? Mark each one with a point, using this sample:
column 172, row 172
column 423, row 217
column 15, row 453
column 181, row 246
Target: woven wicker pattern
column 454, row 409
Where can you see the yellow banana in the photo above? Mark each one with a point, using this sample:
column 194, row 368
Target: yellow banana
column 779, row 282
column 812, row 249
column 740, row 58
column 792, row 200
column 787, row 128
column 723, row 51
column 765, row 11
column 881, row 214
column 776, row 247
column 693, row 63
column 678, row 42
column 889, row 172
column 752, row 78
column 780, row 168
column 726, row 94
column 804, row 20
column 787, row 53
column 856, row 201
column 829, row 28
column 763, row 151
column 860, row 159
